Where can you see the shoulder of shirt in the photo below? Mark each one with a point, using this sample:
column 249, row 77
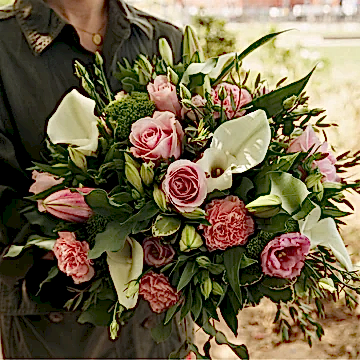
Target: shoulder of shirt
column 7, row 11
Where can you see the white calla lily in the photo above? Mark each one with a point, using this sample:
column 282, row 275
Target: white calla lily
column 124, row 266
column 237, row 146
column 74, row 123
column 325, row 233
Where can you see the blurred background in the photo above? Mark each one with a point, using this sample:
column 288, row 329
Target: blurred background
column 325, row 33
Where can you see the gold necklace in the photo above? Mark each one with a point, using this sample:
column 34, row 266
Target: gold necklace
column 96, row 38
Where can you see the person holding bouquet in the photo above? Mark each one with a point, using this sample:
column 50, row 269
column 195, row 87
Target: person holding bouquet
column 40, row 40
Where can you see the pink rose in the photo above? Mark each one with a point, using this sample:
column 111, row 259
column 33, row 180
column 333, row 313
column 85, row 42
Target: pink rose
column 157, row 254
column 241, row 98
column 194, row 114
column 72, row 257
column 309, row 140
column 185, row 185
column 159, row 137
column 284, row 256
column 43, row 181
column 230, row 223
column 163, row 94
column 156, row 289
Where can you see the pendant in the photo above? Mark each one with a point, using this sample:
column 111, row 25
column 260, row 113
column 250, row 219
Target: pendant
column 97, row 39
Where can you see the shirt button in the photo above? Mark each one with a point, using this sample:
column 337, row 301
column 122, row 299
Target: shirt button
column 56, row 317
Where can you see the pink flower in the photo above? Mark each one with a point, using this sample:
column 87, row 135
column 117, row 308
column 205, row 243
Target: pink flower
column 284, row 256
column 72, row 257
column 241, row 98
column 156, row 289
column 230, row 223
column 157, row 254
column 43, row 181
column 185, row 185
column 309, row 140
column 163, row 94
column 191, row 113
column 159, row 137
column 67, row 205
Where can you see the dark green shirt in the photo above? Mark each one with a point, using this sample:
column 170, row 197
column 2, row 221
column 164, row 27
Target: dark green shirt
column 37, row 53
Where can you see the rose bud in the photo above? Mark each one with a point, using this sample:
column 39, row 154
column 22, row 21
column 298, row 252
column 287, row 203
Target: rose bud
column 190, row 239
column 217, row 289
column 147, row 172
column 68, row 205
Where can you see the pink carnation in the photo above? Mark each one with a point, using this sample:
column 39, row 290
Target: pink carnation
column 72, row 256
column 163, row 94
column 43, row 181
column 185, row 185
column 309, row 140
column 241, row 98
column 156, row 289
column 159, row 137
column 284, row 256
column 230, row 223
column 157, row 254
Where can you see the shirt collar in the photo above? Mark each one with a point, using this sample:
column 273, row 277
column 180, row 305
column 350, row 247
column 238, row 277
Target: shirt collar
column 41, row 25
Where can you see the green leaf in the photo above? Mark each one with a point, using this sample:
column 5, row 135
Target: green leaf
column 97, row 314
column 34, row 240
column 98, row 200
column 197, row 304
column 232, row 261
column 306, row 207
column 240, row 350
column 45, row 222
column 59, row 170
column 165, row 225
column 161, row 332
column 274, row 224
column 170, row 313
column 334, row 212
column 46, row 193
column 229, row 315
column 14, row 250
column 188, row 303
column 284, row 295
column 276, row 283
column 249, row 279
column 51, row 274
column 120, row 198
column 272, row 102
column 243, row 189
column 245, row 261
column 188, row 273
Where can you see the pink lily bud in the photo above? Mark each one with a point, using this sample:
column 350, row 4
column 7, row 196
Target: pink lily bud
column 67, row 205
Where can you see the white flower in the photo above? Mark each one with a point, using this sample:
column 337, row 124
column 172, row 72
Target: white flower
column 125, row 266
column 325, row 233
column 237, row 145
column 74, row 123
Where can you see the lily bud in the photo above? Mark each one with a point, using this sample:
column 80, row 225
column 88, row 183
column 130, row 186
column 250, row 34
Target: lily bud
column 184, row 92
column 191, row 45
column 133, row 177
column 145, row 65
column 327, row 284
column 222, row 93
column 206, row 288
column 132, row 289
column 114, row 329
column 217, row 288
column 172, row 76
column 159, row 198
column 166, row 52
column 130, row 160
column 147, row 172
column 196, row 214
column 190, row 239
column 78, row 158
column 265, row 206
column 203, row 261
column 67, row 205
column 289, row 102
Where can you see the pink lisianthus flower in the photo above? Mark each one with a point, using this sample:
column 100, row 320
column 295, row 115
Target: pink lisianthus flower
column 185, row 185
column 241, row 98
column 43, row 181
column 194, row 114
column 231, row 225
column 163, row 94
column 157, row 254
column 284, row 256
column 309, row 140
column 72, row 256
column 157, row 290
column 159, row 137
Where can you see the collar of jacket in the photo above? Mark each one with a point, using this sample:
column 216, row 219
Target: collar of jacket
column 41, row 25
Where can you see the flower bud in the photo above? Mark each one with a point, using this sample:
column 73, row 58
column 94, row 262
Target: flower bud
column 217, row 288
column 166, row 52
column 98, row 59
column 184, row 92
column 190, row 239
column 133, row 177
column 289, row 102
column 222, row 93
column 191, row 45
column 78, row 158
column 172, row 76
column 145, row 66
column 132, row 289
column 206, row 288
column 203, row 261
column 265, row 206
column 114, row 329
column 159, row 198
column 327, row 284
column 147, row 172
column 130, row 160
column 198, row 213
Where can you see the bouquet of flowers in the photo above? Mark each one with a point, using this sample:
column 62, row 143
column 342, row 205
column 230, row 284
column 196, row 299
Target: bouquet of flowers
column 195, row 188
